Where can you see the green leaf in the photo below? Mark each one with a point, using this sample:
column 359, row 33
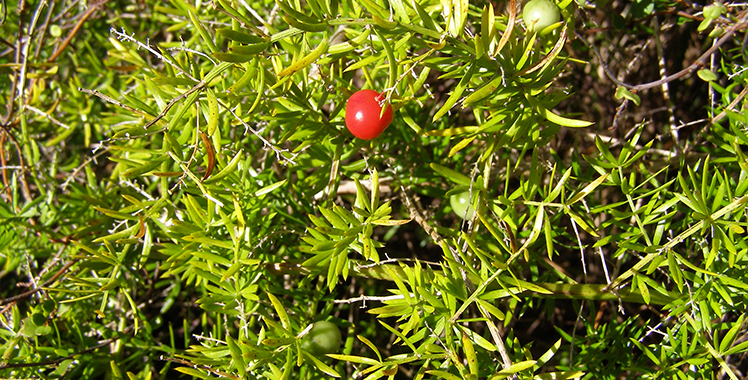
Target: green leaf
column 707, row 75
column 675, row 272
column 229, row 169
column 371, row 345
column 560, row 120
column 458, row 13
column 559, row 186
column 194, row 372
column 483, row 92
column 249, row 49
column 354, row 359
column 456, row 93
column 548, row 355
column 239, row 36
column 326, row 369
column 174, row 81
column 582, row 223
column 236, row 355
column 307, row 59
column 451, row 175
column 147, row 167
column 202, row 31
column 443, row 375
column 514, row 368
column 714, row 11
column 487, row 28
column 281, row 311
column 391, row 60
column 276, row 342
column 559, row 375
column 587, row 190
column 233, row 57
column 534, row 233
column 199, row 238
column 296, row 15
column 644, row 290
column 269, row 188
column 623, row 92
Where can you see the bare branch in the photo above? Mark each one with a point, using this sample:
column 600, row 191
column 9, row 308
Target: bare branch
column 687, row 71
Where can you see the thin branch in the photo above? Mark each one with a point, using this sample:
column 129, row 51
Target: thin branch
column 22, row 175
column 44, row 28
column 373, row 298
column 278, row 152
column 665, row 86
column 158, row 117
column 18, row 85
column 581, row 248
column 123, row 36
column 188, row 50
column 4, row 166
column 76, row 28
column 729, row 107
column 616, row 141
column 173, row 102
column 25, row 50
column 60, row 359
column 604, row 265
column 688, row 70
column 80, row 167
column 47, row 116
column 645, row 18
column 113, row 101
column 256, row 15
column 718, row 118
column 397, row 260
column 198, row 366
column 415, row 214
column 41, row 287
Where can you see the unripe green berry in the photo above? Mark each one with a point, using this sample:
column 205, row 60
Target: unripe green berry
column 539, row 14
column 323, row 338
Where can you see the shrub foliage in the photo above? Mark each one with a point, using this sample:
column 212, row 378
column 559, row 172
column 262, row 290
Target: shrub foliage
column 181, row 196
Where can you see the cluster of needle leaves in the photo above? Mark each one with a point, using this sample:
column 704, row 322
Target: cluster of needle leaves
column 181, row 198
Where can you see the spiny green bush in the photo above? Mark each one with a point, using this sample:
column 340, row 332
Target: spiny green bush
column 182, row 197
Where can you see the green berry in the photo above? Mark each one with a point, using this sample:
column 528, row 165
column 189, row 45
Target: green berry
column 460, row 203
column 323, row 338
column 539, row 14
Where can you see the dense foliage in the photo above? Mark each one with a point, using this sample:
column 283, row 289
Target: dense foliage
column 181, row 196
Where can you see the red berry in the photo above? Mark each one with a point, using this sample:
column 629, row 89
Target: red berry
column 362, row 114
